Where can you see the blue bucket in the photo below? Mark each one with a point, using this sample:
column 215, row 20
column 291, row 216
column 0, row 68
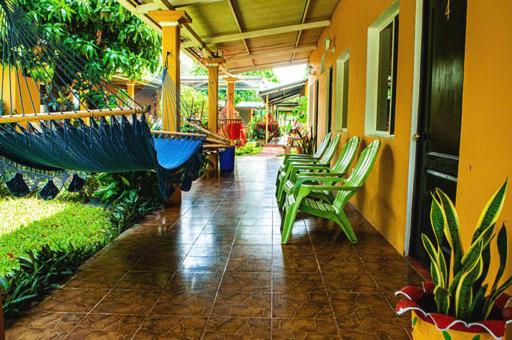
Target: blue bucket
column 227, row 159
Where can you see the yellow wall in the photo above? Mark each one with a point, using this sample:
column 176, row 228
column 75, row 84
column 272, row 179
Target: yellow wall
column 20, row 93
column 387, row 185
column 486, row 139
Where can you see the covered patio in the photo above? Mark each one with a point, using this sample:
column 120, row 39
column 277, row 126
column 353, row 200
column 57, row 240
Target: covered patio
column 215, row 269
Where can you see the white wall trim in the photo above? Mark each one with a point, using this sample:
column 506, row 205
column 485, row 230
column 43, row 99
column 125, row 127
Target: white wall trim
column 416, row 95
column 340, row 83
column 372, row 65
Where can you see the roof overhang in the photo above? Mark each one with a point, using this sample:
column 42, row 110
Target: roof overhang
column 249, row 34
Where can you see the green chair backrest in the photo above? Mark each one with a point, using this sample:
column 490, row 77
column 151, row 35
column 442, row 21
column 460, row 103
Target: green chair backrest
column 347, row 155
column 359, row 174
column 323, row 146
column 331, row 149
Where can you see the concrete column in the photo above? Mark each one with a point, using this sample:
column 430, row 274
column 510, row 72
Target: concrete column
column 267, row 115
column 230, row 82
column 213, row 100
column 170, row 22
column 130, row 90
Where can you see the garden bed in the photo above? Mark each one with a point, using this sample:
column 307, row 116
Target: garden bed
column 30, row 223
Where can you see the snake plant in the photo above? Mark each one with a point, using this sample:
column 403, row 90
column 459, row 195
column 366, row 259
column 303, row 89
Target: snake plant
column 462, row 288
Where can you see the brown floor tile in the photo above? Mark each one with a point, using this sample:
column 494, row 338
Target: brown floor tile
column 72, row 300
column 313, row 304
column 236, row 304
column 96, row 279
column 351, row 278
column 304, row 329
column 184, row 303
column 296, row 282
column 184, row 280
column 246, row 282
column 253, row 238
column 262, row 263
column 141, row 280
column 106, row 326
column 43, row 325
column 158, row 262
column 171, row 327
column 204, row 263
column 123, row 301
column 238, row 328
column 295, row 264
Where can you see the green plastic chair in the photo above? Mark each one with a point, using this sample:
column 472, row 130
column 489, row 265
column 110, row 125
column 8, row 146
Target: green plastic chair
column 300, row 198
column 341, row 167
column 325, row 160
column 317, row 155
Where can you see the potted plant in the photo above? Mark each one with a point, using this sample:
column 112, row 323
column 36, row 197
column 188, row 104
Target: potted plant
column 461, row 301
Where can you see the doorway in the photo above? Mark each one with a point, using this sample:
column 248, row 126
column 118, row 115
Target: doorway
column 439, row 120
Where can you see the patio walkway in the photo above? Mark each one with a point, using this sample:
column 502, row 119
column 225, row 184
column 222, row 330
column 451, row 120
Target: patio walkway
column 216, row 270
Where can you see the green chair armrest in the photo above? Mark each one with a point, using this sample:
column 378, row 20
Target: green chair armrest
column 314, row 187
column 312, row 167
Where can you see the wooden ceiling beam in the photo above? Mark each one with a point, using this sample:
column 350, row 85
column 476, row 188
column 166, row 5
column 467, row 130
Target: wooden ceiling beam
column 261, row 33
column 234, row 12
column 271, row 53
column 269, row 65
column 303, row 20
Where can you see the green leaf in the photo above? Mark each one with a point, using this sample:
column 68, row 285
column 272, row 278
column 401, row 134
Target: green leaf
column 446, row 335
column 452, row 230
column 437, row 220
column 503, row 253
column 442, row 298
column 464, row 292
column 491, row 211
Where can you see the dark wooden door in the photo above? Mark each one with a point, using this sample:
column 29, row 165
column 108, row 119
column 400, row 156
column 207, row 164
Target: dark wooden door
column 317, row 92
column 440, row 111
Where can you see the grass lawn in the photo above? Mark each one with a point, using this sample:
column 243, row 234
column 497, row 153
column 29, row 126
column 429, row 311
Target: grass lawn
column 29, row 223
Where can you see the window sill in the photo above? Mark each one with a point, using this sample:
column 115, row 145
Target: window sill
column 381, row 135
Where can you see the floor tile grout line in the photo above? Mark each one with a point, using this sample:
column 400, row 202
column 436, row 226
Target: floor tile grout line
column 174, row 274
column 222, row 277
column 329, row 298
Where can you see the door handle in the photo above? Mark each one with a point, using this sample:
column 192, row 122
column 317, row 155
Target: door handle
column 419, row 136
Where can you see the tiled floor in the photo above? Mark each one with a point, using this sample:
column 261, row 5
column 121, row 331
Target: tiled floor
column 215, row 269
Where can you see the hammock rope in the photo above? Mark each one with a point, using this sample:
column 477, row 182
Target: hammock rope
column 88, row 124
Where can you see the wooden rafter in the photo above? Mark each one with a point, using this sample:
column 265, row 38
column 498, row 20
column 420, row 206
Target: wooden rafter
column 271, row 53
column 262, row 33
column 234, row 11
column 303, row 20
column 266, row 66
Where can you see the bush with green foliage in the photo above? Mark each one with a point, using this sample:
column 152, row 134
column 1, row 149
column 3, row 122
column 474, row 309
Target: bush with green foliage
column 250, row 148
column 44, row 242
column 108, row 37
column 462, row 289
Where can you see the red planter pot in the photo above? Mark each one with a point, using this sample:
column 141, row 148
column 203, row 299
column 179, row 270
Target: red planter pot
column 432, row 326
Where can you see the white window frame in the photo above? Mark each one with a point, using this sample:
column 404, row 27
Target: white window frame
column 372, row 70
column 340, row 84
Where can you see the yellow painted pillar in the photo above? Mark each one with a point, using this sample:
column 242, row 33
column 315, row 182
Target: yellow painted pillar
column 213, row 100
column 230, row 84
column 170, row 22
column 267, row 114
column 130, row 90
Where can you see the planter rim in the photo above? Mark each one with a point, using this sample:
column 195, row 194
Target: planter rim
column 412, row 294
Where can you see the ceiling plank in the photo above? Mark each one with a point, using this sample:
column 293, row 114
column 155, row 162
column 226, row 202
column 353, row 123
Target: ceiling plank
column 271, row 53
column 269, row 65
column 151, row 6
column 234, row 11
column 303, row 20
column 183, row 3
column 261, row 33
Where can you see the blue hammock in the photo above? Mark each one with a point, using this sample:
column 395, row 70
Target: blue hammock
column 56, row 149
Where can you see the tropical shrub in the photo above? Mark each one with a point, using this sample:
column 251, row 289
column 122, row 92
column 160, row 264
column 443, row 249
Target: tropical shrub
column 40, row 272
column 460, row 288
column 251, row 148
column 307, row 141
